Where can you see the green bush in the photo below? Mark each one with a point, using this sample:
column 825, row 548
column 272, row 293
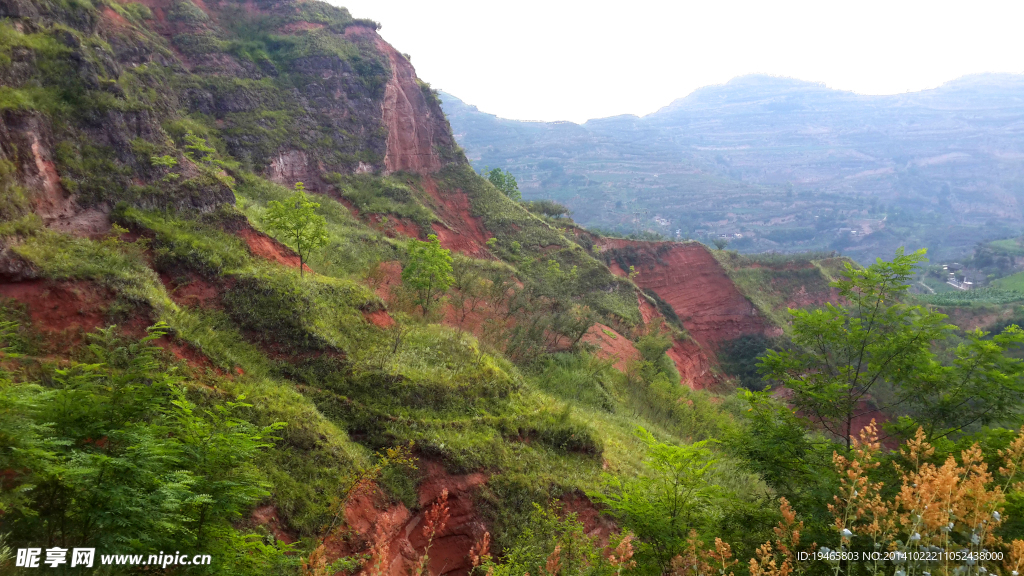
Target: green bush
column 114, row 454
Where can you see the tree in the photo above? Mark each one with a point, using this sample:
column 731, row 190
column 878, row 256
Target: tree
column 721, row 243
column 197, row 149
column 662, row 505
column 874, row 341
column 983, row 385
column 296, row 219
column 506, row 183
column 547, row 208
column 220, row 449
column 428, row 272
column 112, row 455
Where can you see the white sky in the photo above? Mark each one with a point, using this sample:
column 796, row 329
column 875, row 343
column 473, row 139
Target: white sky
column 575, row 60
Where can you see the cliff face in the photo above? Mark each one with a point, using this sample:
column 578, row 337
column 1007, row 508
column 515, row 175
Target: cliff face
column 695, row 364
column 689, row 279
column 411, row 113
column 699, row 292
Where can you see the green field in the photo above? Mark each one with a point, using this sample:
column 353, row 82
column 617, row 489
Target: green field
column 1010, row 246
column 1014, row 282
column 981, row 296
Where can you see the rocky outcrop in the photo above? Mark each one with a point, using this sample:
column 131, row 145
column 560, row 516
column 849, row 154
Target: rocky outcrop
column 412, row 114
column 336, row 100
column 394, row 534
column 689, row 279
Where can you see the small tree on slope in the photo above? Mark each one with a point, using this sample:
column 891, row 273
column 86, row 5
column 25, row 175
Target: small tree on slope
column 296, row 219
column 428, row 272
column 506, row 183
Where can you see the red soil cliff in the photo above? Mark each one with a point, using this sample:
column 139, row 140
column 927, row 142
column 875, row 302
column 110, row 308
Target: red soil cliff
column 689, row 279
column 415, row 125
column 691, row 360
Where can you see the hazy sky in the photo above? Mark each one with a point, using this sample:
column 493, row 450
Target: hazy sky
column 568, row 60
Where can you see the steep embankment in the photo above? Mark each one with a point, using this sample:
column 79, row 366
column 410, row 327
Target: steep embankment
column 694, row 287
column 689, row 279
column 410, row 112
column 775, row 283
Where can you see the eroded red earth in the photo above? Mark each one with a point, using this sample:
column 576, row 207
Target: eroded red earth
column 612, row 346
column 266, row 247
column 61, row 307
column 689, row 279
column 461, row 231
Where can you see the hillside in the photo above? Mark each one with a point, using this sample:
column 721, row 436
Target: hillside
column 143, row 149
column 256, row 306
column 789, row 165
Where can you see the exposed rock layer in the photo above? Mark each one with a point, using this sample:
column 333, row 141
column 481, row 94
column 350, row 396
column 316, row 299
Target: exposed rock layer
column 689, row 279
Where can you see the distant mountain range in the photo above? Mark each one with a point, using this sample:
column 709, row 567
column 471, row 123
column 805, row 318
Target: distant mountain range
column 782, row 164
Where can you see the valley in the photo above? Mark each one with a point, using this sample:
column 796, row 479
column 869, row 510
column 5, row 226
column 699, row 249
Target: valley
column 774, row 164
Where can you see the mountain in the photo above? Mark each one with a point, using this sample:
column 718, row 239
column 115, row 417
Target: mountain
column 181, row 373
column 787, row 165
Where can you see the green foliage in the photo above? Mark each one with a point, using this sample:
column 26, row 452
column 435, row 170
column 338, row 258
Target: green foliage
column 773, row 281
column 428, row 271
column 188, row 243
column 14, row 202
column 320, row 313
column 352, row 248
column 878, row 343
column 139, row 11
column 547, row 208
column 654, row 362
column 296, row 219
column 978, row 296
column 982, row 385
column 1014, row 282
column 118, row 265
column 506, row 183
column 376, row 195
column 525, row 240
column 773, row 442
column 1011, row 246
column 553, row 543
column 224, row 448
column 186, row 11
column 578, row 378
column 844, row 351
column 112, row 454
column 90, row 170
column 670, row 498
column 740, row 358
